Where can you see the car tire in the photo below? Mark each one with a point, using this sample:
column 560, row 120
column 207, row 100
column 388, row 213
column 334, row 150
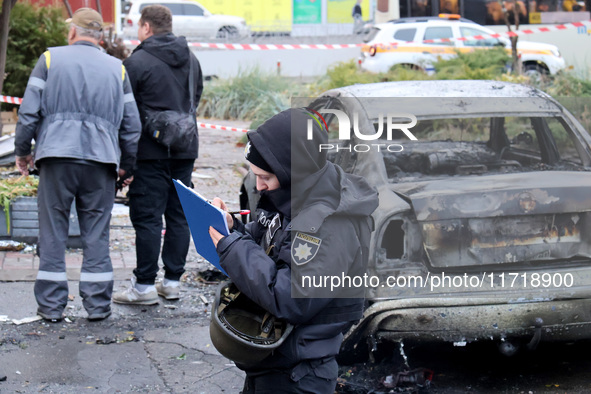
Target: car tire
column 535, row 71
column 227, row 32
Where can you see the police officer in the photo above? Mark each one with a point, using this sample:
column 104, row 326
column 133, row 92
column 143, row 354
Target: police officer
column 313, row 220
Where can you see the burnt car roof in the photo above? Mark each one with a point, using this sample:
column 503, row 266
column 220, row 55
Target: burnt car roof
column 445, row 88
column 531, row 100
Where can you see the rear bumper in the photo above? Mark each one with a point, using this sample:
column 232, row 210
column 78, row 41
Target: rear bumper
column 454, row 321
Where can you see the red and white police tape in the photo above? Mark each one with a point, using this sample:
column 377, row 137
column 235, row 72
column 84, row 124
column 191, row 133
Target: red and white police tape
column 516, row 33
column 259, row 47
column 218, row 127
column 10, row 100
column 17, row 100
column 266, row 47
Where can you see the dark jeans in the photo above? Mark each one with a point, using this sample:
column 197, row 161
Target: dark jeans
column 312, row 377
column 151, row 195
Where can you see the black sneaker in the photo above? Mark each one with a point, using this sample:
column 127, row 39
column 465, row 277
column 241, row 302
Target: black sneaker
column 50, row 318
column 99, row 316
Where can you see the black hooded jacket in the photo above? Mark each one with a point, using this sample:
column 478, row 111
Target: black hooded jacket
column 325, row 231
column 159, row 73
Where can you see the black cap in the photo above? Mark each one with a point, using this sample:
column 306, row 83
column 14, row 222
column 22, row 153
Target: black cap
column 252, row 154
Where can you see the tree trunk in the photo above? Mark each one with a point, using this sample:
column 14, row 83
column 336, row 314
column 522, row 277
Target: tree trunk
column 4, row 27
column 516, row 64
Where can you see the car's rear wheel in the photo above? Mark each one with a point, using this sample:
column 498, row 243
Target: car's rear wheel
column 227, row 32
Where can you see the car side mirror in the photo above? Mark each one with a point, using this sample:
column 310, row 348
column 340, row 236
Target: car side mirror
column 206, row 13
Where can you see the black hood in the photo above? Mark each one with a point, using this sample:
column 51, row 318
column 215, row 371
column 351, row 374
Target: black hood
column 169, row 48
column 283, row 142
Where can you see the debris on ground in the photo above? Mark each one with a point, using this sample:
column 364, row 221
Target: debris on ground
column 26, row 320
column 384, row 377
column 420, row 377
column 116, row 339
column 11, row 246
column 211, row 277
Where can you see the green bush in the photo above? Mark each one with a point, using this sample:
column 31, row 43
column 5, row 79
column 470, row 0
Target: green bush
column 344, row 74
column 348, row 73
column 565, row 85
column 479, row 64
column 251, row 95
column 482, row 64
column 32, row 31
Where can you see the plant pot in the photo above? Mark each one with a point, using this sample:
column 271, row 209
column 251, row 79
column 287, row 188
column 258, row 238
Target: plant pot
column 24, row 222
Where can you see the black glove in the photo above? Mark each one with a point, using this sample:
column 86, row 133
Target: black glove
column 119, row 184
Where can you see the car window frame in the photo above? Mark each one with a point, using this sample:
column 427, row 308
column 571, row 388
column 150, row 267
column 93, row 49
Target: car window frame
column 167, row 5
column 187, row 6
column 422, row 37
column 494, row 41
column 414, row 36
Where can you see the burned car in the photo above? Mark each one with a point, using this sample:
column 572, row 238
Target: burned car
column 483, row 226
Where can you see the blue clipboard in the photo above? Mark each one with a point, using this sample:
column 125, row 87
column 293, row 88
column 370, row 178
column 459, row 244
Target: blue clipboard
column 200, row 216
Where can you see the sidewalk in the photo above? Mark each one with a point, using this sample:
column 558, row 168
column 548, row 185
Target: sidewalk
column 23, row 266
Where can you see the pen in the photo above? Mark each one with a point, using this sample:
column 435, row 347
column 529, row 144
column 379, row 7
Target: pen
column 241, row 212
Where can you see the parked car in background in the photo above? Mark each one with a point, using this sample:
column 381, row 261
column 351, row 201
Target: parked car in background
column 386, row 45
column 483, row 226
column 189, row 19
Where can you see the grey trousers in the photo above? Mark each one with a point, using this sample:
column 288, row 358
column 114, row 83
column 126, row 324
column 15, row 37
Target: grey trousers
column 93, row 188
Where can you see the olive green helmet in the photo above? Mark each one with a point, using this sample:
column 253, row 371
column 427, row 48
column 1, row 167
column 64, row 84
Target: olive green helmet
column 243, row 331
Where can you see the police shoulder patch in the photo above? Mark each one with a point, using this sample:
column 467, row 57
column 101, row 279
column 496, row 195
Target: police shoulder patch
column 304, row 248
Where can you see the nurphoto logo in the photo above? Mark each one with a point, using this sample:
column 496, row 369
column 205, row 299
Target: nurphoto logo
column 385, row 124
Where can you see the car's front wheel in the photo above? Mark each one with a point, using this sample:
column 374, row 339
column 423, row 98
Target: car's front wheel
column 535, row 71
column 227, row 32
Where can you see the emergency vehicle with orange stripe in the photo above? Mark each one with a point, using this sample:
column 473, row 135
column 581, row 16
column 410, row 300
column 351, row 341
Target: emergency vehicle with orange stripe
column 419, row 42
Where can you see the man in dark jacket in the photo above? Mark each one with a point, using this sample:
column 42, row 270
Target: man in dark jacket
column 357, row 18
column 313, row 220
column 159, row 71
column 80, row 110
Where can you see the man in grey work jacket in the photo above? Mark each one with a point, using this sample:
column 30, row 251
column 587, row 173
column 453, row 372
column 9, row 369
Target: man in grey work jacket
column 313, row 219
column 80, row 110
